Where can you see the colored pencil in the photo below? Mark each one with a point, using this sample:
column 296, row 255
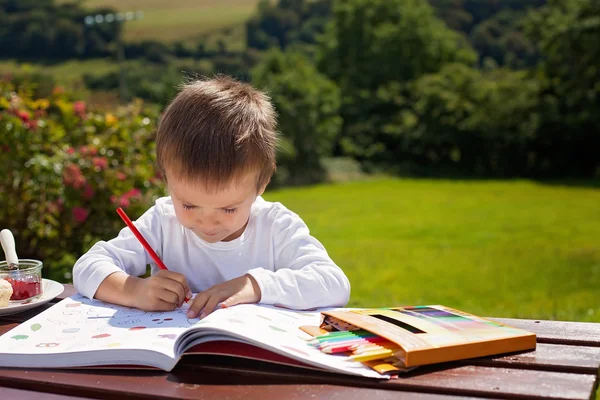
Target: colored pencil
column 372, row 355
column 343, row 333
column 340, row 336
column 143, row 241
column 351, row 344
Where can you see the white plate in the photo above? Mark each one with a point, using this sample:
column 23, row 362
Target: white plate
column 51, row 290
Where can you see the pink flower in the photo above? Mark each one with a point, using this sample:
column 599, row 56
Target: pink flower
column 24, row 115
column 31, row 125
column 80, row 214
column 135, row 192
column 124, row 202
column 79, row 107
column 100, row 162
column 70, row 150
column 121, row 176
column 72, row 176
column 88, row 192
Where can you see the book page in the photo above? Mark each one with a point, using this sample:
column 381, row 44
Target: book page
column 78, row 324
column 275, row 329
column 86, row 332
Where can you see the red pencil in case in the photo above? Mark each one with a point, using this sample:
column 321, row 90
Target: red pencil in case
column 143, row 241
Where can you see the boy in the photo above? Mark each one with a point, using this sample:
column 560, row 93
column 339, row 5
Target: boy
column 215, row 148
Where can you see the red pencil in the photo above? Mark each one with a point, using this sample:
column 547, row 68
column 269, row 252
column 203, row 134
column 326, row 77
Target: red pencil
column 143, row 241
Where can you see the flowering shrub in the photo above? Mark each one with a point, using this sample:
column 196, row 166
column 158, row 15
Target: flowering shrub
column 65, row 169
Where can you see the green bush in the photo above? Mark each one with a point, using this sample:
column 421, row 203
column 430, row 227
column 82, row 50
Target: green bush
column 65, row 169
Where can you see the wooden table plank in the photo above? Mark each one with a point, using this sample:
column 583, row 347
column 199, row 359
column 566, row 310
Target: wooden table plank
column 206, row 384
column 505, row 383
column 559, row 332
column 548, row 357
column 228, row 378
column 22, row 394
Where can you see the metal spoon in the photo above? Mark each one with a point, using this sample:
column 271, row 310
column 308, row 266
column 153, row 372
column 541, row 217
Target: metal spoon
column 8, row 245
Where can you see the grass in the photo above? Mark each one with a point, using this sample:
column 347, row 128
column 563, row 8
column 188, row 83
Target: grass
column 179, row 19
column 496, row 248
column 66, row 73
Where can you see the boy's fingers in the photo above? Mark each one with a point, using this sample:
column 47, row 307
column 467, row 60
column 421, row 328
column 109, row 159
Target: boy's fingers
column 179, row 278
column 210, row 306
column 231, row 301
column 183, row 282
column 169, row 296
column 160, row 305
column 174, row 287
column 197, row 305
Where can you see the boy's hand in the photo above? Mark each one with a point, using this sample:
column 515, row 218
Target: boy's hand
column 243, row 289
column 164, row 291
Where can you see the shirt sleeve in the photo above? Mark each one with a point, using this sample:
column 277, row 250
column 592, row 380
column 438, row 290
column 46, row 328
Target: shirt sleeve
column 304, row 276
column 121, row 254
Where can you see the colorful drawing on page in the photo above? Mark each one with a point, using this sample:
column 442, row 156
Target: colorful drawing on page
column 277, row 329
column 72, row 311
column 47, row 344
column 35, row 327
column 295, row 350
column 101, row 336
column 288, row 315
column 159, row 321
column 19, row 337
column 133, row 321
column 71, row 330
column 171, row 336
column 137, row 328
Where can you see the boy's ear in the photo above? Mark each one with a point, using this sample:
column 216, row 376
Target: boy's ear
column 262, row 189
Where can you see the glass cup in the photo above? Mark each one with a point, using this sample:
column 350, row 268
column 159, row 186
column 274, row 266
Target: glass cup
column 25, row 281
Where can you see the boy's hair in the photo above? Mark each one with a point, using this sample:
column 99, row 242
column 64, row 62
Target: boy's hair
column 217, row 130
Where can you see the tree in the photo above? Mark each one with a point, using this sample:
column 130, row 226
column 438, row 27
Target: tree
column 285, row 22
column 371, row 48
column 501, row 38
column 462, row 120
column 567, row 33
column 308, row 104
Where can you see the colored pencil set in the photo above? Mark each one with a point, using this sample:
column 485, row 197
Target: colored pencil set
column 358, row 345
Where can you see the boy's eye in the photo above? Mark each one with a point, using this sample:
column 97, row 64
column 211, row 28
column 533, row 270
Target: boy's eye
column 229, row 210
column 188, row 207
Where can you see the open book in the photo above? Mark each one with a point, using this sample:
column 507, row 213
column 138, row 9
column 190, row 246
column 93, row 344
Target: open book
column 78, row 332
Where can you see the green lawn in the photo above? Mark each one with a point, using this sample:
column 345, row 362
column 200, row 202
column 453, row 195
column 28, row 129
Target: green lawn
column 66, row 72
column 496, row 248
column 179, row 19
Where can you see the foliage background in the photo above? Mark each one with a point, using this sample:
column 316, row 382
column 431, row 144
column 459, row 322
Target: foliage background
column 492, row 105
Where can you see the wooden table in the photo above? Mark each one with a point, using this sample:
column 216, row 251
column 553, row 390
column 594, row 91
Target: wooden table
column 564, row 366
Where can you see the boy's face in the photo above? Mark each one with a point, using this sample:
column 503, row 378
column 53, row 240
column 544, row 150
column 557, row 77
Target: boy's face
column 214, row 216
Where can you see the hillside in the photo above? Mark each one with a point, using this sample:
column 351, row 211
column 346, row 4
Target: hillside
column 179, row 19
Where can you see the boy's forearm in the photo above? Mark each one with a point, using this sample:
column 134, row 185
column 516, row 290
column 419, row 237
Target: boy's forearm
column 118, row 288
column 305, row 288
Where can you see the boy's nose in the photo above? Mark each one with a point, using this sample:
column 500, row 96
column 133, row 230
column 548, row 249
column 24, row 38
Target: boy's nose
column 208, row 223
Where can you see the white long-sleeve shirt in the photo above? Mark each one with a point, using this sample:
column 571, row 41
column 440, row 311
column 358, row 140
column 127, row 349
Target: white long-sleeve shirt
column 291, row 267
